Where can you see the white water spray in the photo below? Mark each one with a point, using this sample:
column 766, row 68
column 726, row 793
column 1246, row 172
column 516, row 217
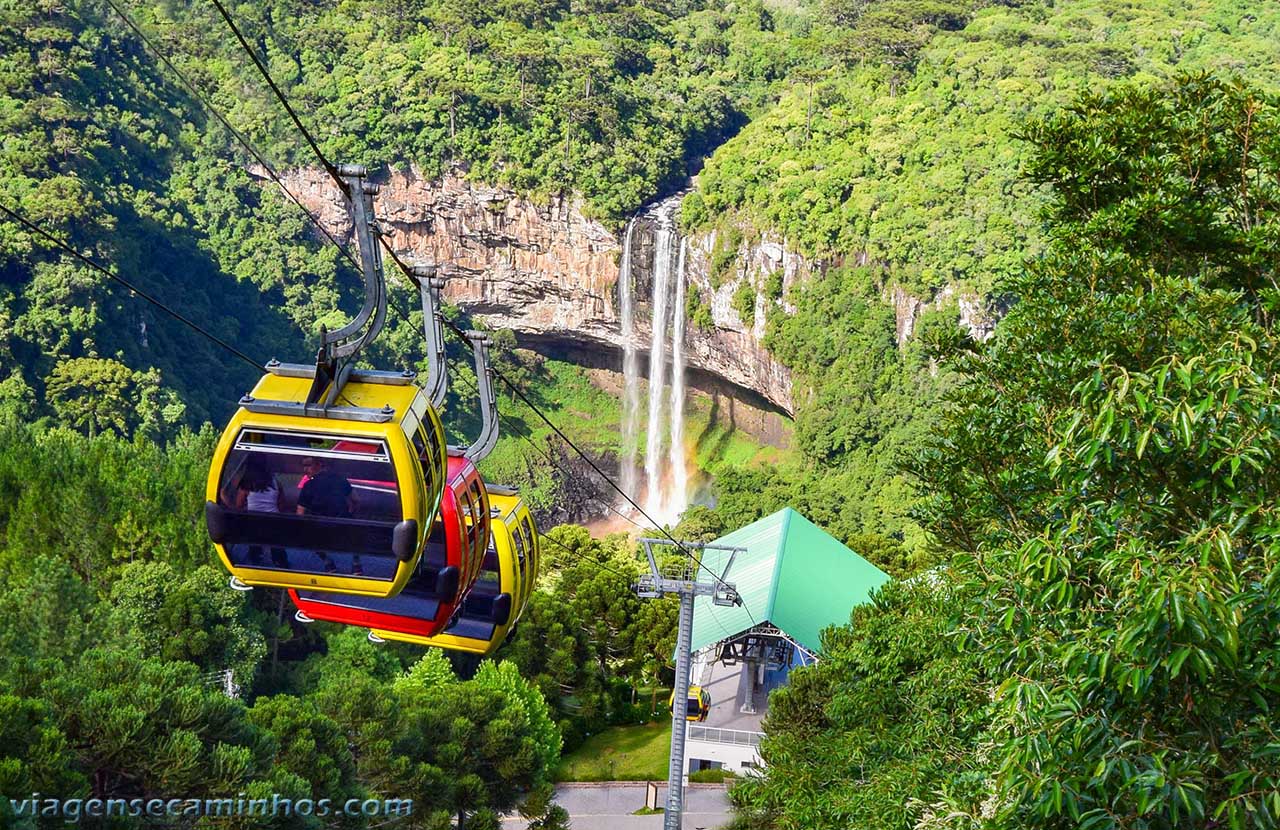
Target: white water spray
column 677, row 496
column 630, row 369
column 663, row 257
column 666, row 474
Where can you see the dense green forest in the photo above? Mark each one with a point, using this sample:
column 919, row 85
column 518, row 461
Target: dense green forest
column 1100, row 649
column 1083, row 503
column 892, row 156
column 122, row 625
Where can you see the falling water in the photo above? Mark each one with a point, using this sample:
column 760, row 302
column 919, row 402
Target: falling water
column 630, row 368
column 677, row 496
column 662, row 262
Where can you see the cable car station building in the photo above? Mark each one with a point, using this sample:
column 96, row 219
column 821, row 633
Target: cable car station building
column 794, row 580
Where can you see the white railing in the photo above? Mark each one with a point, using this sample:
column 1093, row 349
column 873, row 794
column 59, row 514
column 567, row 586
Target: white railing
column 715, row 735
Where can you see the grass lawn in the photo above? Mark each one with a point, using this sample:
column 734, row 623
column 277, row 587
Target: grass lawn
column 620, row 753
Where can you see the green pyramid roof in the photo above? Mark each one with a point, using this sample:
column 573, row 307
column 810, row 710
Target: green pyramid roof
column 792, row 574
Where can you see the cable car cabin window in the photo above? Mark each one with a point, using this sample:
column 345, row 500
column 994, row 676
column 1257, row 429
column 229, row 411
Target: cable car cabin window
column 474, row 510
column 519, row 542
column 476, row 620
column 530, row 536
column 489, row 582
column 311, row 503
column 429, row 459
column 531, row 570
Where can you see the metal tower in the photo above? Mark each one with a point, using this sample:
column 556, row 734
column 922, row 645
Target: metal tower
column 681, row 578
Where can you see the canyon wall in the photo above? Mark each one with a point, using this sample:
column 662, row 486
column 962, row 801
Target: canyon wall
column 550, row 274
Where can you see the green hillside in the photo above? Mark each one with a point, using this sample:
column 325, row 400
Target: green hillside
column 894, row 157
column 915, row 163
column 1082, row 507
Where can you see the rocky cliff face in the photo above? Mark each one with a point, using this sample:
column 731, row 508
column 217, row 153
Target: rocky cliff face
column 549, row 274
column 978, row 316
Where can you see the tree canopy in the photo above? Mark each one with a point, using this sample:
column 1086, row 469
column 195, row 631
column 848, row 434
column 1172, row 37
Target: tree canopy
column 1102, row 474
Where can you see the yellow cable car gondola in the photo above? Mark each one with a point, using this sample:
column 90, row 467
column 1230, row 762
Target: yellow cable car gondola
column 352, row 500
column 459, row 541
column 330, row 477
column 500, row 595
column 697, row 707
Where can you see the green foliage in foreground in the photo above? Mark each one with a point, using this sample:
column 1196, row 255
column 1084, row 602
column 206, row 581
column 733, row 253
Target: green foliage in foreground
column 119, row 620
column 1108, row 632
column 895, row 707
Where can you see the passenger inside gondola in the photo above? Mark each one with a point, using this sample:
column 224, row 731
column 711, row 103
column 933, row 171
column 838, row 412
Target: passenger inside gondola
column 258, row 489
column 260, row 492
column 325, row 493
column 322, row 504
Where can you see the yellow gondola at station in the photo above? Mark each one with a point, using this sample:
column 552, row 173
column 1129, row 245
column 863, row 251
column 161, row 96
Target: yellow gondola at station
column 697, row 707
column 500, row 595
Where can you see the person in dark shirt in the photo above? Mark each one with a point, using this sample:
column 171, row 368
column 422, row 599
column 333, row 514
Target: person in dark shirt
column 327, row 493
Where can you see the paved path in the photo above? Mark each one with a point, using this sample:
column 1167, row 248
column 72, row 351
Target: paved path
column 610, row 806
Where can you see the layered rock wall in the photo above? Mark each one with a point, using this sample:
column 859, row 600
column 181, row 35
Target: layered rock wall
column 550, row 274
column 976, row 315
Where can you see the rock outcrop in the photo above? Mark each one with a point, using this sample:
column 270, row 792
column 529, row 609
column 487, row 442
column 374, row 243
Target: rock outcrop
column 979, row 317
column 550, row 274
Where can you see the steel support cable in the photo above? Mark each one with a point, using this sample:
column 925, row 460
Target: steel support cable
column 461, row 335
column 239, row 136
column 515, row 390
column 542, row 451
column 196, row 327
column 547, row 455
column 529, row 440
column 266, row 75
column 457, row 331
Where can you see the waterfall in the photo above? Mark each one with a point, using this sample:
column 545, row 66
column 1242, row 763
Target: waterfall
column 663, row 257
column 677, row 496
column 630, row 369
column 666, row 476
